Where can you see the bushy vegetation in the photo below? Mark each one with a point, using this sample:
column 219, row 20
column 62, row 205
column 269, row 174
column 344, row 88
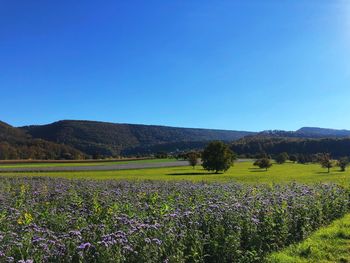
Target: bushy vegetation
column 343, row 163
column 263, row 163
column 282, row 158
column 326, row 161
column 57, row 220
column 217, row 156
column 192, row 158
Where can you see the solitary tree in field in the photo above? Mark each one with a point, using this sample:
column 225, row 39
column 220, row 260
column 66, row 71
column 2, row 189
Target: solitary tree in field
column 281, row 158
column 343, row 163
column 192, row 158
column 263, row 163
column 326, row 161
column 217, row 156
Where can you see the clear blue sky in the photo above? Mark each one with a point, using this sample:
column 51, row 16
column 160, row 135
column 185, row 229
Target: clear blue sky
column 244, row 64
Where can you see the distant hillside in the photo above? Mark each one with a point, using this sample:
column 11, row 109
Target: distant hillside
column 17, row 144
column 306, row 140
column 11, row 134
column 78, row 139
column 254, row 146
column 171, row 147
column 322, row 132
column 305, row 132
column 108, row 139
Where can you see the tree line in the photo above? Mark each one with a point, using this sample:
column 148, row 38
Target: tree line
column 217, row 157
column 38, row 150
column 302, row 148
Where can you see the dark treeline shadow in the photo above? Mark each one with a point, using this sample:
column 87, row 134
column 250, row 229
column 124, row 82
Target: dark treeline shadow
column 257, row 170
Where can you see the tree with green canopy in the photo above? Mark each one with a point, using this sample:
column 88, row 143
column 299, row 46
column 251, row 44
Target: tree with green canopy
column 217, row 156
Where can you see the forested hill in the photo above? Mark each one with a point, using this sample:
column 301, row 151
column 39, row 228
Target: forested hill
column 17, row 144
column 307, row 140
column 306, row 132
column 322, row 132
column 255, row 146
column 108, row 139
column 76, row 139
column 9, row 133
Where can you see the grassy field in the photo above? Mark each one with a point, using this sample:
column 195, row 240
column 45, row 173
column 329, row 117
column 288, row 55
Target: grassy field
column 329, row 244
column 72, row 164
column 241, row 172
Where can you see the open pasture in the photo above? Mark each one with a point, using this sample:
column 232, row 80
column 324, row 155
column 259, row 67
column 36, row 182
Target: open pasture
column 243, row 172
column 34, row 164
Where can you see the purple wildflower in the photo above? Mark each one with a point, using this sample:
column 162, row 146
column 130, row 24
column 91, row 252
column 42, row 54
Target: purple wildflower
column 84, row 246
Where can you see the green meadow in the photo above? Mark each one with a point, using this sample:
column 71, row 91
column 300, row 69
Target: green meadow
column 73, row 164
column 243, row 172
column 328, row 244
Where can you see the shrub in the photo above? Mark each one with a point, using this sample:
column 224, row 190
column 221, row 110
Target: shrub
column 192, row 158
column 282, row 158
column 343, row 163
column 263, row 163
column 326, row 161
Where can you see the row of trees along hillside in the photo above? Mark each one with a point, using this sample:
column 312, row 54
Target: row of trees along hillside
column 252, row 147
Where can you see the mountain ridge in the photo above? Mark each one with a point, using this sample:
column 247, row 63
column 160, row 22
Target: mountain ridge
column 104, row 138
column 324, row 131
column 98, row 139
column 306, row 132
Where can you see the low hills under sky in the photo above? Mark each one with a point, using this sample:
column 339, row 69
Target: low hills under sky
column 75, row 138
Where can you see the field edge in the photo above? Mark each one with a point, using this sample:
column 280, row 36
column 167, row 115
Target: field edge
column 326, row 245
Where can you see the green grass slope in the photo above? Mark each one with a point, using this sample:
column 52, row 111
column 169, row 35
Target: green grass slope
column 329, row 244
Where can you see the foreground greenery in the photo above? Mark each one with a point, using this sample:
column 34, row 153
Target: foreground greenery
column 329, row 244
column 243, row 172
column 58, row 220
